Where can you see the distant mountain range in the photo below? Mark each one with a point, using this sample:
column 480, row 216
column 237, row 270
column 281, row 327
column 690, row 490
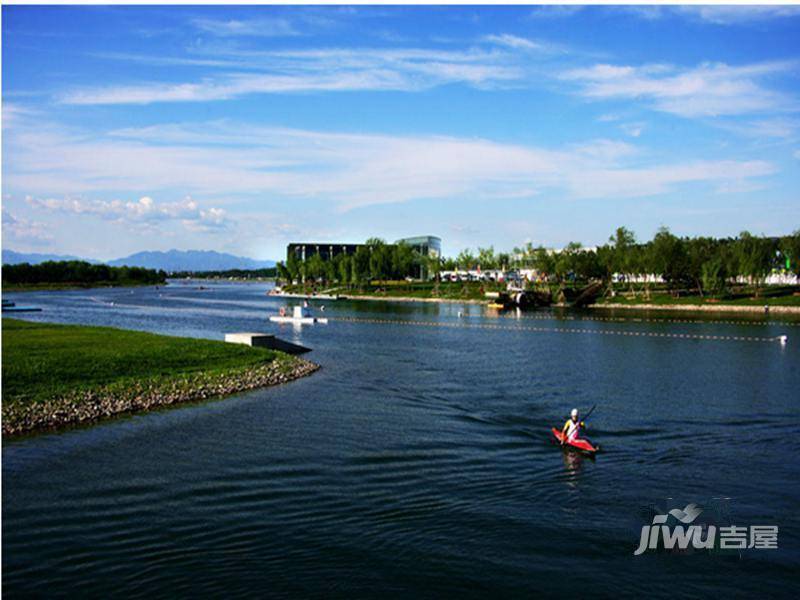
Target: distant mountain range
column 13, row 258
column 170, row 261
column 190, row 260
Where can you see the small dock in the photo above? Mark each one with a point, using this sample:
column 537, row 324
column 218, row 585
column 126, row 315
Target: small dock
column 265, row 340
column 12, row 307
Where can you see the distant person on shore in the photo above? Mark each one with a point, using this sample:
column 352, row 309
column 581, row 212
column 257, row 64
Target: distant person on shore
column 572, row 427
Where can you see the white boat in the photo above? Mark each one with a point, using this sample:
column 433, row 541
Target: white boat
column 300, row 314
column 301, row 320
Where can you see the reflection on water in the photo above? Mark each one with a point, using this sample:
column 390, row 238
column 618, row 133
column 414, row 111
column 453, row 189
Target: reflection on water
column 417, row 462
column 573, row 461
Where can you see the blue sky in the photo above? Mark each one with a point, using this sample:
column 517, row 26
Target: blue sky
column 240, row 129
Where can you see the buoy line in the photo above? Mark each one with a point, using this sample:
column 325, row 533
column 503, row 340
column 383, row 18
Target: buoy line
column 575, row 330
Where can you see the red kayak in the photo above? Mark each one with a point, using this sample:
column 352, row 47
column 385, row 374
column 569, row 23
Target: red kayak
column 579, row 444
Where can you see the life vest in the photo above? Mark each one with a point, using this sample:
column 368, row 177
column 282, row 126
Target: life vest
column 572, row 428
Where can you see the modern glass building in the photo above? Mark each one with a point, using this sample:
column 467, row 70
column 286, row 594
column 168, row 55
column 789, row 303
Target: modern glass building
column 426, row 245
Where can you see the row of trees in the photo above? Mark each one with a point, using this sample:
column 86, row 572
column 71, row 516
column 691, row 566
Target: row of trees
column 706, row 264
column 374, row 260
column 79, row 272
column 485, row 258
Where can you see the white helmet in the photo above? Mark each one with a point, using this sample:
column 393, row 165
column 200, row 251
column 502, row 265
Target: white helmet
column 574, row 413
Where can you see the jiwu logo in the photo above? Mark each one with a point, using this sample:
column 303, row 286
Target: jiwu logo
column 679, row 536
column 684, row 534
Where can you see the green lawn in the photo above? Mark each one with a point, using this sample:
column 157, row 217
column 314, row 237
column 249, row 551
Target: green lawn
column 771, row 295
column 44, row 360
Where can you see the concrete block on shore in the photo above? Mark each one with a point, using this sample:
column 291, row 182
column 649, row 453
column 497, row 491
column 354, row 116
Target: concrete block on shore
column 12, row 308
column 250, row 339
column 265, row 340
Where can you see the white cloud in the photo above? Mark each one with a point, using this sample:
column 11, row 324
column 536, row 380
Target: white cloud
column 316, row 70
column 647, row 12
column 222, row 159
column 735, row 15
column 14, row 112
column 796, row 154
column 607, row 152
column 717, row 14
column 776, row 128
column 632, row 129
column 513, row 41
column 19, row 229
column 169, row 61
column 144, row 211
column 651, row 181
column 555, row 11
column 274, row 27
column 739, row 186
column 711, row 89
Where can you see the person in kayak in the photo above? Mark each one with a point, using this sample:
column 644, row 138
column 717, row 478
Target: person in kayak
column 572, row 427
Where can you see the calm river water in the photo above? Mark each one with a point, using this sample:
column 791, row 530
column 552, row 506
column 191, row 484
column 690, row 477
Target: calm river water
column 417, row 462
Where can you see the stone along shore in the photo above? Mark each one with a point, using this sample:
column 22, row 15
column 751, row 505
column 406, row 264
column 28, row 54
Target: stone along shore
column 738, row 308
column 85, row 406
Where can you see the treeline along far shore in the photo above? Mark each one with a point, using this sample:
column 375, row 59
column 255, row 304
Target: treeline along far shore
column 704, row 265
column 707, row 265
column 77, row 273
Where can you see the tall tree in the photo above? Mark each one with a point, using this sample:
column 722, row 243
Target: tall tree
column 465, row 259
column 283, row 272
column 699, row 251
column 543, row 261
column 503, row 261
column 790, row 250
column 380, row 262
column 315, row 267
column 756, row 258
column 622, row 256
column 669, row 259
column 343, row 269
column 402, row 260
column 361, row 266
column 487, row 258
column 293, row 267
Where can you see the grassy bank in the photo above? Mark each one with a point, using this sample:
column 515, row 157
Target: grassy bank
column 55, row 375
column 772, row 296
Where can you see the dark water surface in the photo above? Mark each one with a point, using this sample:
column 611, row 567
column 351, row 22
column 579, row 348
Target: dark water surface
column 417, row 462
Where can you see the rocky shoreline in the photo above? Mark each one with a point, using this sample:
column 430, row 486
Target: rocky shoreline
column 86, row 406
